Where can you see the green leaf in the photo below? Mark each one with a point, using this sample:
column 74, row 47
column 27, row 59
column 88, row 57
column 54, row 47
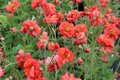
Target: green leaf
column 3, row 20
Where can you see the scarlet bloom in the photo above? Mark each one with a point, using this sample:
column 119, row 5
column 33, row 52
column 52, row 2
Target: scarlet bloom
column 72, row 15
column 53, row 46
column 12, row 6
column 112, row 31
column 104, row 58
column 77, row 1
column 10, row 15
column 65, row 54
column 36, row 3
column 69, row 77
column 80, row 28
column 80, row 60
column 49, row 8
column 13, row 30
column 55, row 62
column 104, row 3
column 53, row 19
column 31, row 28
column 2, row 72
column 66, row 29
column 81, row 38
column 87, row 50
column 93, row 12
column 22, row 57
column 106, row 42
column 42, row 40
column 32, row 69
column 56, row 2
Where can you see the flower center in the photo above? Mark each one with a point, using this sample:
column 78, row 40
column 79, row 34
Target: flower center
column 67, row 29
column 31, row 28
column 111, row 31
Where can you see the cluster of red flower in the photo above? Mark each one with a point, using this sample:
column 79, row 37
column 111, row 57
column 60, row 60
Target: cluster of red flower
column 12, row 6
column 29, row 65
column 78, row 32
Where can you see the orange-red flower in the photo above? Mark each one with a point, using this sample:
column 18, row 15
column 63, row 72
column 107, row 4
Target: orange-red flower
column 104, row 58
column 55, row 62
column 42, row 40
column 104, row 3
column 49, row 8
column 72, row 15
column 80, row 33
column 69, row 77
column 12, row 6
column 2, row 72
column 65, row 54
column 53, row 46
column 32, row 69
column 112, row 31
column 93, row 12
column 81, row 38
column 30, row 27
column 53, row 19
column 66, row 29
column 56, row 2
column 77, row 1
column 36, row 3
column 80, row 28
column 106, row 42
column 13, row 30
column 22, row 57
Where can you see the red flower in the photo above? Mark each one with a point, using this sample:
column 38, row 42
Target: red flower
column 54, row 62
column 94, row 10
column 112, row 31
column 43, row 40
column 2, row 72
column 65, row 54
column 87, row 50
column 77, row 1
column 117, row 22
column 106, row 42
column 36, row 3
column 13, row 30
column 80, row 60
column 67, row 77
column 94, row 15
column 104, row 58
column 81, row 38
column 31, row 28
column 66, row 29
column 22, row 57
column 80, row 28
column 12, row 6
column 32, row 69
column 56, row 2
column 10, row 15
column 72, row 15
column 53, row 46
column 53, row 19
column 104, row 3
column 40, row 45
column 49, row 8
